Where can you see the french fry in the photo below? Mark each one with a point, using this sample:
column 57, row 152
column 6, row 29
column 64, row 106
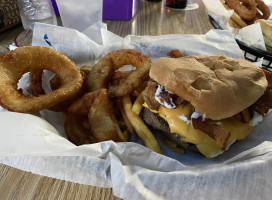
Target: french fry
column 177, row 149
column 124, row 115
column 172, row 146
column 139, row 126
column 233, row 24
column 137, row 105
column 135, row 93
column 86, row 69
column 238, row 20
column 121, row 134
column 126, row 135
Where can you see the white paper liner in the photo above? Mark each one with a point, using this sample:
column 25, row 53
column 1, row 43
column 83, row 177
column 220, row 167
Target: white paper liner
column 32, row 144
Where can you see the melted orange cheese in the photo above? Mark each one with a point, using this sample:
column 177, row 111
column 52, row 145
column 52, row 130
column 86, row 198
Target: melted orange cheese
column 205, row 144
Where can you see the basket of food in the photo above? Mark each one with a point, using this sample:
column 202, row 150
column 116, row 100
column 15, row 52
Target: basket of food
column 81, row 123
column 249, row 22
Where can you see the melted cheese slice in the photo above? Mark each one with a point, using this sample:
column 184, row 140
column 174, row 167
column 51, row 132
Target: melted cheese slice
column 204, row 143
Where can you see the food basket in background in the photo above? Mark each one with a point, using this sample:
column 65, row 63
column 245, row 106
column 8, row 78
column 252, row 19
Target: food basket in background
column 252, row 54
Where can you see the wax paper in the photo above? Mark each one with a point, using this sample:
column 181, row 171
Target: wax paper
column 37, row 143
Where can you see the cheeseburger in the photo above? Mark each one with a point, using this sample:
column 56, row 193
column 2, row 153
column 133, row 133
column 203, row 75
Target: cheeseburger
column 205, row 104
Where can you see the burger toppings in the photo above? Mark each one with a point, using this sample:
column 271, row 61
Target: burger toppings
column 257, row 118
column 156, row 95
column 197, row 114
column 184, row 118
column 164, row 97
column 214, row 100
column 219, row 133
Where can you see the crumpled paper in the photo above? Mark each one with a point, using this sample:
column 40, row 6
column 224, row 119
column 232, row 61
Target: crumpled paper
column 250, row 35
column 37, row 143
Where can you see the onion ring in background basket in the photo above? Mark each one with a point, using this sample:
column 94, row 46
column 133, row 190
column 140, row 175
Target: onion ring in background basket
column 14, row 64
column 264, row 9
column 247, row 12
column 105, row 68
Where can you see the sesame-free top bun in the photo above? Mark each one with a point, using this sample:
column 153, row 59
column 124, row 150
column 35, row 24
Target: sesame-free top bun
column 216, row 86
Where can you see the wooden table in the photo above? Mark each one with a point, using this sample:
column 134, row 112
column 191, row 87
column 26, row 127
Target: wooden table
column 151, row 19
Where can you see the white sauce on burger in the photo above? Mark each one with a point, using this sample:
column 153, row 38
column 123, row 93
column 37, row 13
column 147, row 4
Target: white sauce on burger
column 164, row 103
column 256, row 119
column 184, row 118
column 197, row 114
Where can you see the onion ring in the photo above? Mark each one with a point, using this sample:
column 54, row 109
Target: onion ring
column 55, row 84
column 103, row 123
column 14, row 64
column 247, row 12
column 264, row 9
column 105, row 68
column 75, row 130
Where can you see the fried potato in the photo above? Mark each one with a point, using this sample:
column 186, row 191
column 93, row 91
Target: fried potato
column 124, row 115
column 138, row 104
column 172, row 146
column 86, row 69
column 140, row 127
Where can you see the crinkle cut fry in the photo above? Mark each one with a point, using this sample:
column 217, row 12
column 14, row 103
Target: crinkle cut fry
column 14, row 64
column 105, row 68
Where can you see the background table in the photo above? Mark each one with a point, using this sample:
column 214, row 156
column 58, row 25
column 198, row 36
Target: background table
column 151, row 19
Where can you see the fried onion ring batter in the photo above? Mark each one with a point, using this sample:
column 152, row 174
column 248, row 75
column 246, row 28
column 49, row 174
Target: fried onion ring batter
column 105, row 68
column 99, row 109
column 35, row 79
column 15, row 63
column 264, row 9
column 247, row 11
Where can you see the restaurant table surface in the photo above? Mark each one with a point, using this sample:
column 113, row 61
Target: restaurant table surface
column 152, row 18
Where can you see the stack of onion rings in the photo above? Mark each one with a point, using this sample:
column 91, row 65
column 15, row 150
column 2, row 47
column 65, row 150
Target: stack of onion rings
column 15, row 63
column 92, row 114
column 247, row 12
